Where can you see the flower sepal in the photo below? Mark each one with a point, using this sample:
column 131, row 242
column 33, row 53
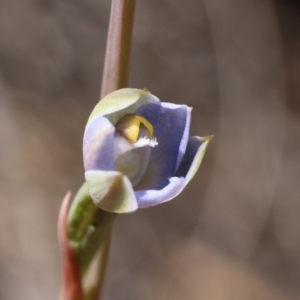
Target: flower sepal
column 88, row 226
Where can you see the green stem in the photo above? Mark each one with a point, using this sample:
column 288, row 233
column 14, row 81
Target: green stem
column 88, row 227
column 92, row 292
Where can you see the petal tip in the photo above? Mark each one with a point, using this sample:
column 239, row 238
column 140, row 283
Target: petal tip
column 207, row 139
column 145, row 90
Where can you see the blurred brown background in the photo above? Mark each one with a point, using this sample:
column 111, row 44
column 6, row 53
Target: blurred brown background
column 234, row 234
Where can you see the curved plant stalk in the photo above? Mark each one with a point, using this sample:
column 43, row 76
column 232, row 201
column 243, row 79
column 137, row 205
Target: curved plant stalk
column 71, row 288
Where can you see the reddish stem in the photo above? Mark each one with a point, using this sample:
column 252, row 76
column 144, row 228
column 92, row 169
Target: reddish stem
column 117, row 54
column 71, row 288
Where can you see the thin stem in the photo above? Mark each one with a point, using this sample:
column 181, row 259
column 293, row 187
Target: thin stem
column 115, row 75
column 104, row 258
column 117, row 55
column 100, row 261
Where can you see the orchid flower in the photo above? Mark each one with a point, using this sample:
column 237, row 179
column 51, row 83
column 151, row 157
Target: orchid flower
column 137, row 151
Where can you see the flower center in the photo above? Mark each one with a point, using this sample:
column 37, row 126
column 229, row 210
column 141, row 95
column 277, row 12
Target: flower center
column 132, row 148
column 130, row 126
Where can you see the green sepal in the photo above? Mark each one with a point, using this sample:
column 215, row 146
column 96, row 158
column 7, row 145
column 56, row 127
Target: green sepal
column 88, row 226
column 120, row 103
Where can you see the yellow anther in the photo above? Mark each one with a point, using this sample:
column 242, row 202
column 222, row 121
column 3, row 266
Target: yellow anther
column 130, row 126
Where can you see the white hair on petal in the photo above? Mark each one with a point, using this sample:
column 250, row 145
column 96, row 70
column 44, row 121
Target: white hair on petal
column 145, row 141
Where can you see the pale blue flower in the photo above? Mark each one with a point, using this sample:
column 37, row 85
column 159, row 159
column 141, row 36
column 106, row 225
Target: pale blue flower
column 137, row 151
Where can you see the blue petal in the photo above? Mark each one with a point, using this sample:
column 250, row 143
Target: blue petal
column 171, row 128
column 98, row 145
column 153, row 197
column 186, row 132
column 191, row 161
column 191, row 150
